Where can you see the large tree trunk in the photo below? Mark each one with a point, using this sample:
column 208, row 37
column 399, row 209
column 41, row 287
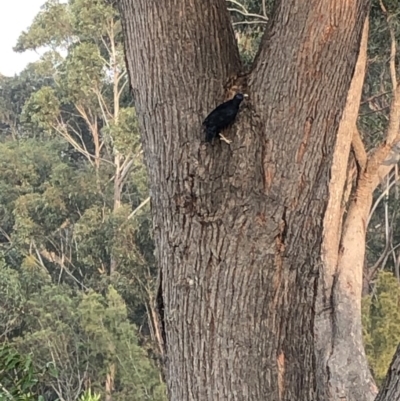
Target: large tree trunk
column 238, row 227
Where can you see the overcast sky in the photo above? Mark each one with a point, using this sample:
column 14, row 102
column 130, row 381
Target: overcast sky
column 15, row 17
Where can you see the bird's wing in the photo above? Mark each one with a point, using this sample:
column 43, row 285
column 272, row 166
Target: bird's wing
column 220, row 114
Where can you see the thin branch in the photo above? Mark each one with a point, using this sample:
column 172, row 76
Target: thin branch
column 392, row 135
column 53, row 258
column 122, row 75
column 247, row 14
column 264, row 8
column 380, row 197
column 5, row 234
column 372, row 270
column 248, row 23
column 122, row 87
column 81, row 148
column 63, row 132
column 144, row 203
column 125, row 169
column 381, row 262
column 238, row 4
column 76, row 132
column 396, row 266
column 392, row 62
column 375, row 97
column 103, row 106
column 106, row 47
column 373, row 111
column 359, row 150
column 83, row 113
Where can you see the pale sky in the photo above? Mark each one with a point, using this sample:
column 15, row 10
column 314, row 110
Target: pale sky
column 15, row 17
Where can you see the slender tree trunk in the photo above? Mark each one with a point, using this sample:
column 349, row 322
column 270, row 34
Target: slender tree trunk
column 110, row 376
column 338, row 319
column 238, row 227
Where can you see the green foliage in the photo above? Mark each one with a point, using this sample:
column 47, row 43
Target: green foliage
column 17, row 377
column 52, row 335
column 82, row 73
column 123, row 133
column 25, row 168
column 90, row 17
column 42, row 109
column 88, row 396
column 381, row 322
column 73, row 335
column 14, row 92
column 48, row 203
column 66, row 209
column 51, row 27
column 249, row 18
column 248, row 42
column 12, row 303
column 115, row 340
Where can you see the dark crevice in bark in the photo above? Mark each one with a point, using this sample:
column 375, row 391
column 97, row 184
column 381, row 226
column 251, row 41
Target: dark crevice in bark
column 390, row 389
column 332, row 316
column 160, row 312
column 235, row 84
column 284, row 227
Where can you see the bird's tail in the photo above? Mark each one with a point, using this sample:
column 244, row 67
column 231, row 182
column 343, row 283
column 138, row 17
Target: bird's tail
column 210, row 134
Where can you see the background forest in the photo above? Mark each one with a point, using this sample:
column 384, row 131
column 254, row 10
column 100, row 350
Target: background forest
column 77, row 271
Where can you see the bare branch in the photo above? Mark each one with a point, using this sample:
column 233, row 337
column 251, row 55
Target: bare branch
column 144, row 203
column 126, row 166
column 370, row 99
column 392, row 136
column 243, row 11
column 76, row 132
column 238, row 4
column 247, row 14
column 248, row 22
column 105, row 44
column 392, row 62
column 380, row 198
column 63, row 132
column 381, row 261
column 103, row 106
column 123, row 85
column 359, row 150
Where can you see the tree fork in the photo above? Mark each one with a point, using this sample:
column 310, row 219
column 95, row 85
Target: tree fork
column 238, row 228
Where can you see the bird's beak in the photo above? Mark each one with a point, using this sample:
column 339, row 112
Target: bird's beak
column 245, row 95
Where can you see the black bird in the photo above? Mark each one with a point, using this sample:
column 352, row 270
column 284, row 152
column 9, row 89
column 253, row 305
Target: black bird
column 222, row 116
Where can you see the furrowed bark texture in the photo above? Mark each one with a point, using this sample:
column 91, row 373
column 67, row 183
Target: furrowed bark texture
column 238, row 228
column 390, row 389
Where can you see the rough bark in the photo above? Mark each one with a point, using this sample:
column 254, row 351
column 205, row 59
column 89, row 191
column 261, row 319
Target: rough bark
column 390, row 389
column 238, row 227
